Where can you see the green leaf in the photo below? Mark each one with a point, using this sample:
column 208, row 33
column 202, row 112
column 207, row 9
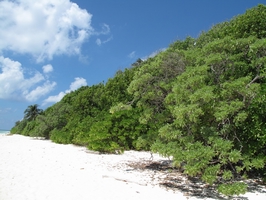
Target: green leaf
column 230, row 189
column 227, row 175
column 210, row 174
column 234, row 156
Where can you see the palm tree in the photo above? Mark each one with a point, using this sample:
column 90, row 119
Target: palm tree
column 32, row 112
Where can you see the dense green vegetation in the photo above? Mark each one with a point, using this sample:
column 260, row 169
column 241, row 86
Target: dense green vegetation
column 202, row 101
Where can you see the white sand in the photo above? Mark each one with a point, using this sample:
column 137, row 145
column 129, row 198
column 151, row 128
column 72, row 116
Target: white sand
column 33, row 169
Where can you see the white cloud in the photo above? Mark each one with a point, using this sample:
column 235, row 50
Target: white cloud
column 73, row 86
column 47, row 68
column 108, row 39
column 54, row 99
column 14, row 85
column 40, row 91
column 105, row 30
column 77, row 84
column 98, row 41
column 154, row 54
column 132, row 54
column 44, row 28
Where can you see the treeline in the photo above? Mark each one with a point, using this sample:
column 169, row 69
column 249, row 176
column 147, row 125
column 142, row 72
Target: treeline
column 202, row 101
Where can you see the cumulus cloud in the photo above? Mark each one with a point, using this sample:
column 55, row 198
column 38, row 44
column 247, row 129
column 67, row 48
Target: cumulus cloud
column 47, row 69
column 39, row 91
column 44, row 28
column 77, row 84
column 14, row 84
column 54, row 99
column 73, row 86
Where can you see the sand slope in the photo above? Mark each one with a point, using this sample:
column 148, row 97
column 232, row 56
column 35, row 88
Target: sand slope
column 32, row 169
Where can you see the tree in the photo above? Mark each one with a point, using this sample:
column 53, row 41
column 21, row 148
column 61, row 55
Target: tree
column 137, row 63
column 55, row 117
column 118, row 131
column 202, row 101
column 153, row 81
column 217, row 105
column 32, row 112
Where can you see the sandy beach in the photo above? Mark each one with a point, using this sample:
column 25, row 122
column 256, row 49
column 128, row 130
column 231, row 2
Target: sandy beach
column 34, row 169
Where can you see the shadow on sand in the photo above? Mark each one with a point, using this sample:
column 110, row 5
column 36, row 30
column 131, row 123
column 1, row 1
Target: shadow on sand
column 173, row 179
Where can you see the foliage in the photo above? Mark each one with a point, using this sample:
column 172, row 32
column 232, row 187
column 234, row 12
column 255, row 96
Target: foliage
column 32, row 112
column 215, row 105
column 18, row 128
column 117, row 132
column 201, row 101
column 61, row 136
column 54, row 117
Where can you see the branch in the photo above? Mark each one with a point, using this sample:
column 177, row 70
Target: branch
column 241, row 146
column 232, row 167
column 131, row 102
column 254, row 79
column 214, row 162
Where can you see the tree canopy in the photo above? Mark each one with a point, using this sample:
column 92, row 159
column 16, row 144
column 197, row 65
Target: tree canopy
column 201, row 101
column 32, row 112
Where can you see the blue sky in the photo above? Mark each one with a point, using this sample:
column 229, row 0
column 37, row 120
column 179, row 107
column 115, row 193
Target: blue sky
column 50, row 47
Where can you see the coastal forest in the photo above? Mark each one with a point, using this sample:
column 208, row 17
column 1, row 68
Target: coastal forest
column 202, row 102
